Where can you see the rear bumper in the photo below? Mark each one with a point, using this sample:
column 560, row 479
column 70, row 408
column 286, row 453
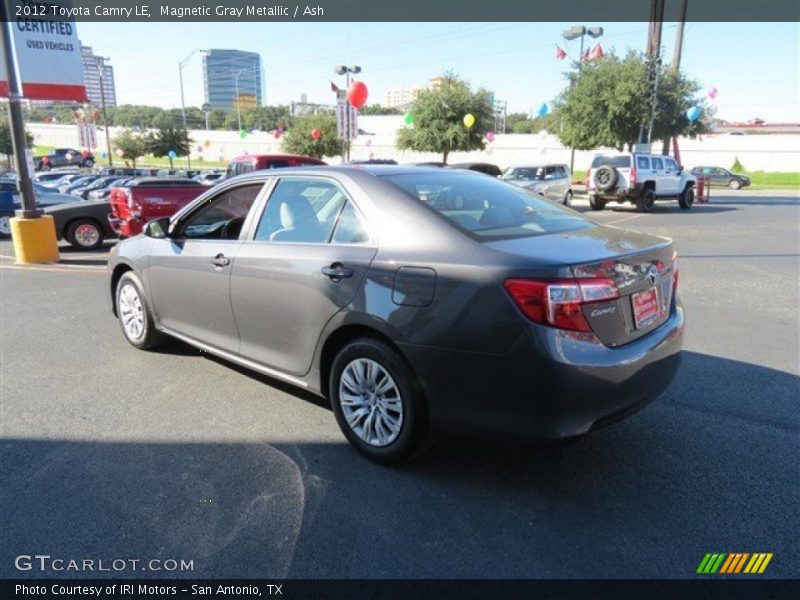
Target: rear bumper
column 552, row 384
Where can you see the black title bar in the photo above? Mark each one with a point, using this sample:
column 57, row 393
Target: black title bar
column 401, row 10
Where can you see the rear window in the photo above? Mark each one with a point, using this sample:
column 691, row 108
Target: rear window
column 485, row 208
column 618, row 162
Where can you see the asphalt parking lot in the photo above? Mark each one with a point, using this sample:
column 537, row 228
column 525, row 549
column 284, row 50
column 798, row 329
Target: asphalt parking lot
column 109, row 452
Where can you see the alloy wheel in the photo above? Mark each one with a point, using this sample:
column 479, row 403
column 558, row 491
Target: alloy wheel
column 131, row 312
column 370, row 401
column 87, row 235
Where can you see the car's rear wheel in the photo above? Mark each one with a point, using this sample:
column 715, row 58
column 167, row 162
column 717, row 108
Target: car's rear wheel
column 5, row 225
column 686, row 199
column 376, row 402
column 596, row 204
column 568, row 198
column 88, row 163
column 134, row 316
column 735, row 184
column 85, row 234
column 646, row 200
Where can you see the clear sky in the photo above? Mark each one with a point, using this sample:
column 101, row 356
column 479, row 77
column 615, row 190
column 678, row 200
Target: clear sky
column 754, row 66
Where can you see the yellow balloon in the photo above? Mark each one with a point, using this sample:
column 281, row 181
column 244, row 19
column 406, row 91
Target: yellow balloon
column 469, row 120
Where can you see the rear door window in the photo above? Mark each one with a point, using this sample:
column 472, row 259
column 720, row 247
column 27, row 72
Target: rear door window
column 301, row 211
column 670, row 164
column 642, row 162
column 657, row 164
column 617, row 162
column 349, row 227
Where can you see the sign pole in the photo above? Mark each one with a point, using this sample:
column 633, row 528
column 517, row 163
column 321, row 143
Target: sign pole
column 24, row 183
column 105, row 114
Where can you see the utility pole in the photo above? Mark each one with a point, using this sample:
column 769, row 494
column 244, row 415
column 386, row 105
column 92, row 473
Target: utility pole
column 345, row 70
column 182, row 64
column 24, row 183
column 676, row 63
column 653, row 62
column 103, row 105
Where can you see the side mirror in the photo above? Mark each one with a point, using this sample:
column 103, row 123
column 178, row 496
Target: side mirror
column 158, row 228
column 680, row 169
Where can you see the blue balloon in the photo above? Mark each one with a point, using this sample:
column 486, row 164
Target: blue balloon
column 543, row 110
column 693, row 113
column 172, row 154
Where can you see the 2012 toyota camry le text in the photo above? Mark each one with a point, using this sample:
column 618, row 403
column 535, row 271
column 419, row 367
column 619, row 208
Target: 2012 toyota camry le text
column 416, row 300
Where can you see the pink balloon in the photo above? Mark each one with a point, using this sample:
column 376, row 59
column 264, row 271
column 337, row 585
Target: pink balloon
column 199, row 149
column 490, row 136
column 712, row 93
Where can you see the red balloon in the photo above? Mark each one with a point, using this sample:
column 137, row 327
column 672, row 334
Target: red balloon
column 277, row 135
column 316, row 134
column 357, row 94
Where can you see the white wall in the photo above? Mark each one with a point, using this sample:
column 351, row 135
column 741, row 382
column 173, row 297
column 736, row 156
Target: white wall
column 755, row 152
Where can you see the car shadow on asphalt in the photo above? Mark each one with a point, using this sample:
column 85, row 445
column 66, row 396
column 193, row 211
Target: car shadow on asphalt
column 711, row 464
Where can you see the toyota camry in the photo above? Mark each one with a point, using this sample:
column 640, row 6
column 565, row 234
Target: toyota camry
column 416, row 300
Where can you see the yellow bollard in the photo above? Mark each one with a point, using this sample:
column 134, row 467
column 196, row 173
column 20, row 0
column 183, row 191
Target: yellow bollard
column 34, row 240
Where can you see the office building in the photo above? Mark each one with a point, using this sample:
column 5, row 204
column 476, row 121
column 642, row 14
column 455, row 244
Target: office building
column 228, row 72
column 93, row 67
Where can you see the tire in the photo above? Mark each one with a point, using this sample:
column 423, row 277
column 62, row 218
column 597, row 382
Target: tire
column 686, row 199
column 646, row 200
column 400, row 406
column 146, row 336
column 84, row 234
column 604, row 178
column 568, row 198
column 88, row 163
column 735, row 184
column 5, row 225
column 596, row 204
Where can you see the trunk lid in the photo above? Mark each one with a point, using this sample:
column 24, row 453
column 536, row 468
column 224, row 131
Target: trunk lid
column 641, row 266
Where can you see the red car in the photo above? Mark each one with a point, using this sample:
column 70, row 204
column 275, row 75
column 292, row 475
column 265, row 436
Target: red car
column 257, row 162
column 149, row 198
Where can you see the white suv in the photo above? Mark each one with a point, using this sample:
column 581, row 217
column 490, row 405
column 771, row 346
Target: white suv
column 640, row 179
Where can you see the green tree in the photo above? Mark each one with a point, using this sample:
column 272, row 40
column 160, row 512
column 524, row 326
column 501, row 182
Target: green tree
column 133, row 145
column 439, row 119
column 609, row 104
column 377, row 109
column 6, row 147
column 216, row 118
column 298, row 139
column 166, row 140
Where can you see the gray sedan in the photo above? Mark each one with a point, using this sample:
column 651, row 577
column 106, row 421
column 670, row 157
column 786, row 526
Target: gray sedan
column 416, row 300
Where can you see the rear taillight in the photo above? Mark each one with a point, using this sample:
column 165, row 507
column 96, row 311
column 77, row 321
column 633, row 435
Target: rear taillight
column 633, row 174
column 674, row 274
column 557, row 302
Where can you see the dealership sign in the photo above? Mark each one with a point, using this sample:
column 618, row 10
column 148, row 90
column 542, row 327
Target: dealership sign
column 48, row 54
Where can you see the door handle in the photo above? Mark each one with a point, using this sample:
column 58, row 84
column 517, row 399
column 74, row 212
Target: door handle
column 220, row 260
column 337, row 271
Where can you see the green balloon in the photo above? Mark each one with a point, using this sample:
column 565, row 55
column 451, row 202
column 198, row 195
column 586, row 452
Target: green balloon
column 242, row 134
column 408, row 118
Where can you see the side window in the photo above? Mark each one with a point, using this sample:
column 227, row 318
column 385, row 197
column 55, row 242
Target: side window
column 670, row 164
column 642, row 162
column 301, row 211
column 277, row 164
column 550, row 173
column 561, row 172
column 223, row 217
column 349, row 227
column 657, row 164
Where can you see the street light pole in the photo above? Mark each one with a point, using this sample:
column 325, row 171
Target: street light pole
column 182, row 64
column 103, row 106
column 24, row 183
column 238, row 99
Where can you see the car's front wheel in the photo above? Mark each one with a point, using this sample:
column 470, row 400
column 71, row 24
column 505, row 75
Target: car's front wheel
column 88, row 163
column 5, row 225
column 735, row 184
column 134, row 316
column 686, row 199
column 568, row 198
column 376, row 401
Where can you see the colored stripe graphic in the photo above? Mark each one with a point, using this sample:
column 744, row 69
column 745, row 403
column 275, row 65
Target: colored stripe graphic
column 734, row 563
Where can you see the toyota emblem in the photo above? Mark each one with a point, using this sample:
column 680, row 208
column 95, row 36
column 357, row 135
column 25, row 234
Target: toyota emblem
column 652, row 275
